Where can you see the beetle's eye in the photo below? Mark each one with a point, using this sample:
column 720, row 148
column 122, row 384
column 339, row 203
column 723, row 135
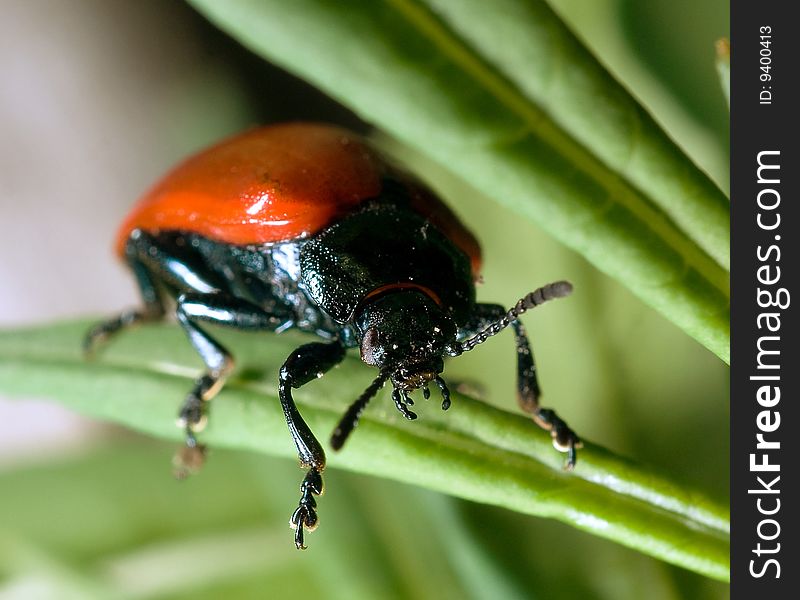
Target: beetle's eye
column 370, row 348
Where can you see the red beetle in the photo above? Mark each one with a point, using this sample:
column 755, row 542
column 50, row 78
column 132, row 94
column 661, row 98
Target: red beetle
column 306, row 226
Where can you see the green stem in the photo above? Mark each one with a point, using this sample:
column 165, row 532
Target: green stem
column 474, row 451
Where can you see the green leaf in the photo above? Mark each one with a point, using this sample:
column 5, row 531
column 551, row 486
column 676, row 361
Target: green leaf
column 473, row 451
column 508, row 99
column 724, row 67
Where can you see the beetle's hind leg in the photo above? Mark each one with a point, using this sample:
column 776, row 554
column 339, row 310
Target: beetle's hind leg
column 153, row 309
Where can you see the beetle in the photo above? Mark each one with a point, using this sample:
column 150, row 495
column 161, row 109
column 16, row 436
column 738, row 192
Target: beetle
column 307, row 226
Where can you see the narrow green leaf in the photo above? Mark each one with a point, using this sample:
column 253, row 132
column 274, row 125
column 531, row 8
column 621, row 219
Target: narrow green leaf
column 122, row 529
column 724, row 67
column 525, row 42
column 546, row 131
column 474, row 451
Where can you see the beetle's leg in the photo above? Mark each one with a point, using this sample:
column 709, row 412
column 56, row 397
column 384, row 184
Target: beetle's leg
column 159, row 262
column 153, row 309
column 305, row 364
column 528, row 393
column 487, row 316
column 219, row 309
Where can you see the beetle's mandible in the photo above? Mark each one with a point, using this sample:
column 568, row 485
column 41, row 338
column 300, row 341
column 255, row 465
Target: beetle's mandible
column 306, row 226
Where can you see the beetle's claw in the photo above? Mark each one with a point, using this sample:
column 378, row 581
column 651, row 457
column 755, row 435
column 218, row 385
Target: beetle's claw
column 564, row 439
column 301, row 519
column 98, row 335
column 305, row 515
column 190, row 458
column 90, row 343
column 568, row 443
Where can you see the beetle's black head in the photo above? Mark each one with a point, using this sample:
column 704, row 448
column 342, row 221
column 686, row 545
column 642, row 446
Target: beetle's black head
column 405, row 334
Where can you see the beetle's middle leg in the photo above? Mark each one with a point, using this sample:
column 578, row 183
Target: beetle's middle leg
column 220, row 309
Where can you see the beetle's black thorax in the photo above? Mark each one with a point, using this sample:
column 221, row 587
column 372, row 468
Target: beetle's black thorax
column 381, row 247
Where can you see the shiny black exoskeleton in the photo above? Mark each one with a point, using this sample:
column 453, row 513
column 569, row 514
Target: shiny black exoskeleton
column 381, row 279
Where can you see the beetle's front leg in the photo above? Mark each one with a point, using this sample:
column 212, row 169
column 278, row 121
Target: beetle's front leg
column 489, row 319
column 306, row 363
column 528, row 392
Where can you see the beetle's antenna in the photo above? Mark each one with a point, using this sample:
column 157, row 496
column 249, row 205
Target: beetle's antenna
column 551, row 291
column 349, row 420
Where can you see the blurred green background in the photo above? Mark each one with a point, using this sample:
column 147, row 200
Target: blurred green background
column 98, row 99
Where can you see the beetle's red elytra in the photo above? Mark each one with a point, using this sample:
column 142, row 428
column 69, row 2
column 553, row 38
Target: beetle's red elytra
column 307, row 226
column 276, row 184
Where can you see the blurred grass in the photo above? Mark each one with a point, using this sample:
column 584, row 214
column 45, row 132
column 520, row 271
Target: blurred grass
column 122, row 528
column 661, row 51
column 688, row 69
